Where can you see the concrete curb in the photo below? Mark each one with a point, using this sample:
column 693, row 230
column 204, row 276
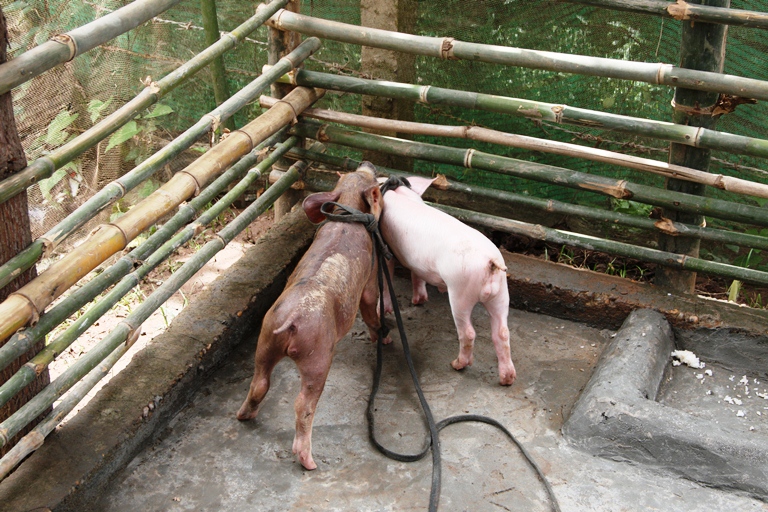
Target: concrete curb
column 76, row 462
column 617, row 417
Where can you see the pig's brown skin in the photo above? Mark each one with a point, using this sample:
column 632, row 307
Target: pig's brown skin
column 319, row 304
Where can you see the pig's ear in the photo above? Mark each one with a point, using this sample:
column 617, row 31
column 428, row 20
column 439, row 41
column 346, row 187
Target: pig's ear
column 420, row 184
column 373, row 198
column 313, row 202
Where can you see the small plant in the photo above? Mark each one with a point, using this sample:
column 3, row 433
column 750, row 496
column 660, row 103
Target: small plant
column 141, row 126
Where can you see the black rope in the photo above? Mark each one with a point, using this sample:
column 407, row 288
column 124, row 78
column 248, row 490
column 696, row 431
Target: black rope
column 348, row 214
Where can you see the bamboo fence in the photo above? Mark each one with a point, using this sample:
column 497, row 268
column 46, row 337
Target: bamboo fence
column 320, row 181
column 65, row 47
column 728, row 183
column 119, row 187
column 685, row 11
column 25, row 339
column 149, row 261
column 30, row 301
column 45, row 166
column 557, row 236
column 123, row 332
column 450, row 48
column 471, row 159
column 537, row 111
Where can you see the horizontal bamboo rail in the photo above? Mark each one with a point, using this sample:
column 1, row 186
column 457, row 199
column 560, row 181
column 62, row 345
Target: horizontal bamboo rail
column 471, row 159
column 29, row 371
column 45, row 166
column 65, row 47
column 537, row 111
column 25, row 339
column 123, row 332
column 591, row 243
column 119, row 187
column 318, row 181
column 28, row 302
column 449, row 48
column 685, row 11
column 728, row 183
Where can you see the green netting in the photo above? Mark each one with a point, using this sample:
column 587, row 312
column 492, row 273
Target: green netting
column 113, row 74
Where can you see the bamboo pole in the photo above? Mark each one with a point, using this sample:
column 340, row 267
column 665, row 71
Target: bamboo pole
column 471, row 159
column 122, row 185
column 35, row 439
column 728, row 183
column 319, row 181
column 65, row 47
column 218, row 73
column 449, row 48
column 130, row 325
column 537, row 111
column 55, row 347
column 110, row 238
column 702, row 47
column 22, row 341
column 557, row 236
column 685, row 11
column 45, row 166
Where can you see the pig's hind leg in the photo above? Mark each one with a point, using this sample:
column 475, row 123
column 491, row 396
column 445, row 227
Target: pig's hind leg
column 461, row 308
column 498, row 309
column 265, row 360
column 314, row 372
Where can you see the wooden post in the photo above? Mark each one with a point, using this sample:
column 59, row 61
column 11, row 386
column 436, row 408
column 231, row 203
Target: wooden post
column 211, row 27
column 14, row 236
column 703, row 48
column 399, row 16
column 280, row 43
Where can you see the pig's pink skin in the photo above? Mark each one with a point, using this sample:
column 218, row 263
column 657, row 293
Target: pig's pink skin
column 444, row 252
column 319, row 304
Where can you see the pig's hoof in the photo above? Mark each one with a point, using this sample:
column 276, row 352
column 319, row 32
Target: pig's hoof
column 386, row 341
column 419, row 299
column 507, row 380
column 459, row 365
column 307, row 461
column 246, row 413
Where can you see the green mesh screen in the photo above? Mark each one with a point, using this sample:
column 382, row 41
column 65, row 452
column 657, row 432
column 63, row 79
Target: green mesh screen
column 112, row 75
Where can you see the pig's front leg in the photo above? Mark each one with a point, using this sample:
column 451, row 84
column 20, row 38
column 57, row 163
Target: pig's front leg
column 419, row 289
column 369, row 309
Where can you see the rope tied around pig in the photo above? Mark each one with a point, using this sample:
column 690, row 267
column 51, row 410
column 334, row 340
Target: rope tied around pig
column 347, row 214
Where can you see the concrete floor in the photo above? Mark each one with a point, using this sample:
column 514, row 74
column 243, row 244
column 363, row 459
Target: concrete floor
column 207, row 460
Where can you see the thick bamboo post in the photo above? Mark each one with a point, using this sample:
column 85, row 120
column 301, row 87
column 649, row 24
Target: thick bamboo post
column 685, row 11
column 471, row 159
column 729, row 183
column 65, row 47
column 449, row 48
column 219, row 75
column 120, row 186
column 113, row 237
column 702, row 47
column 489, row 197
column 538, row 111
column 45, row 166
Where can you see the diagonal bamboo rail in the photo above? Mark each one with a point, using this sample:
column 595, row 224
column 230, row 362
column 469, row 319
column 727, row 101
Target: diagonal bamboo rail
column 315, row 181
column 449, row 48
column 471, row 159
column 537, row 111
column 591, row 243
column 685, row 11
column 120, row 334
column 42, row 359
column 25, row 339
column 65, row 47
column 29, row 302
column 728, row 183
column 119, row 187
column 45, row 166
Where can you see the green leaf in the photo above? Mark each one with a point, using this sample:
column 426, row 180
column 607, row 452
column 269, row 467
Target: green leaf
column 123, row 134
column 57, row 129
column 95, row 107
column 159, row 110
column 47, row 184
column 609, row 101
column 147, row 188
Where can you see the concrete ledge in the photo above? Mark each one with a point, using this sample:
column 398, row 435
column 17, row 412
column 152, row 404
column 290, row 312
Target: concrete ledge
column 77, row 461
column 617, row 416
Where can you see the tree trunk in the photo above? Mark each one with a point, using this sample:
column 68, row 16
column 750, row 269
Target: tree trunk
column 14, row 236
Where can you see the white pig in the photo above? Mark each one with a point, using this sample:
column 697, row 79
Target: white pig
column 442, row 251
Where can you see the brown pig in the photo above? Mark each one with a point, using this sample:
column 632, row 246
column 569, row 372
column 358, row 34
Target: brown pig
column 319, row 303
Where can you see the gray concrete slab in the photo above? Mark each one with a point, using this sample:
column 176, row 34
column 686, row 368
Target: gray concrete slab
column 207, row 460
